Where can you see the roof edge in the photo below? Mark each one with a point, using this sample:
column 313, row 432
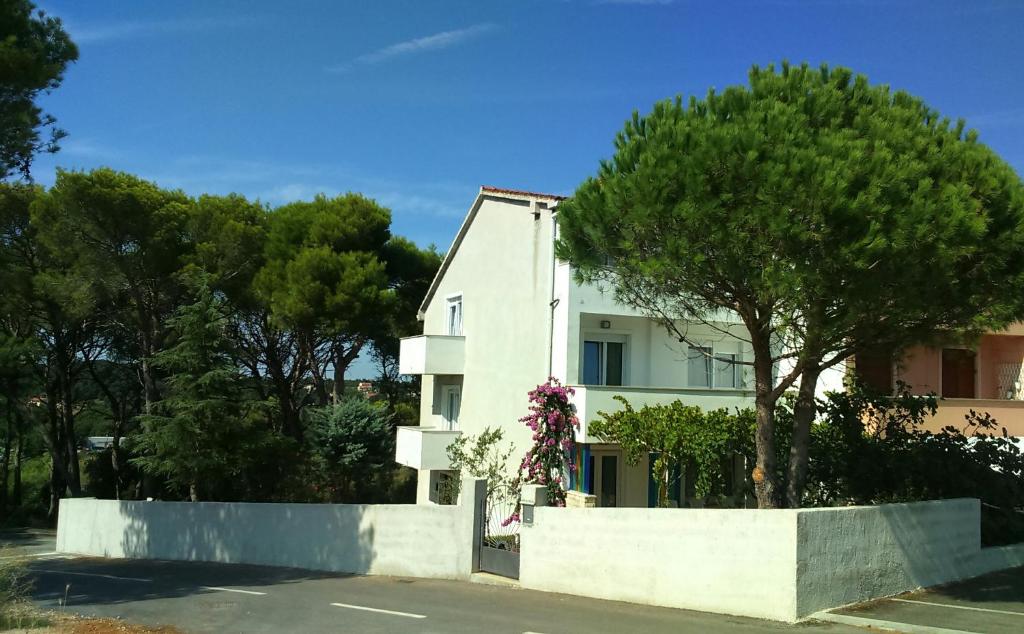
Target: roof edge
column 486, row 191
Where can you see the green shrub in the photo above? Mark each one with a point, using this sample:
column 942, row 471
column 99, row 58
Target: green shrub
column 871, row 449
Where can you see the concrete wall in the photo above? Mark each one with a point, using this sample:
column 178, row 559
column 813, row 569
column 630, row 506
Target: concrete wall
column 728, row 561
column 848, row 555
column 401, row 540
column 782, row 565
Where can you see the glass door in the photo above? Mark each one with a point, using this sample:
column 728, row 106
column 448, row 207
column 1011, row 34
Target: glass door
column 452, row 400
column 603, row 361
column 607, row 477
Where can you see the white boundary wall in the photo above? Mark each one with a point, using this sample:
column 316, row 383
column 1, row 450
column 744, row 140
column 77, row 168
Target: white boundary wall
column 396, row 539
column 782, row 565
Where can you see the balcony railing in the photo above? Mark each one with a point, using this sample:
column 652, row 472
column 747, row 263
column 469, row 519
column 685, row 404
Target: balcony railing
column 591, row 399
column 432, row 354
column 1010, row 381
column 424, row 447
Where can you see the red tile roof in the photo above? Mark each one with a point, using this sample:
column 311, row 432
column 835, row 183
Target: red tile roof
column 519, row 192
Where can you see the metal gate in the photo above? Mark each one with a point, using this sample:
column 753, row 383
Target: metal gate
column 499, row 534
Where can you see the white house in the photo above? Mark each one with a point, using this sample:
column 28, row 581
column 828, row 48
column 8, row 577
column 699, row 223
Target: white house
column 503, row 314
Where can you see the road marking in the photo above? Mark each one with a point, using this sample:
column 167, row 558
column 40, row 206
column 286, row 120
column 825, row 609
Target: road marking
column 260, row 594
column 959, row 607
column 91, row 574
column 31, row 555
column 363, row 607
column 892, row 626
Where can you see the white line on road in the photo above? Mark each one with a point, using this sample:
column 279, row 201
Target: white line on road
column 959, row 607
column 260, row 594
column 91, row 574
column 879, row 624
column 362, row 607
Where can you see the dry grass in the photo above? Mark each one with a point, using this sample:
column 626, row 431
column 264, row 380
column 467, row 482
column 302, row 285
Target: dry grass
column 80, row 625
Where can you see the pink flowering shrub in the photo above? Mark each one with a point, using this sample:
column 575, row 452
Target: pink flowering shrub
column 552, row 457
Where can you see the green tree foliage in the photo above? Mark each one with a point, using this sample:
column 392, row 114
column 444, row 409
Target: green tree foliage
column 123, row 239
column 206, row 429
column 56, row 317
column 827, row 213
column 353, row 442
column 324, row 280
column 102, row 322
column 34, row 52
column 677, row 434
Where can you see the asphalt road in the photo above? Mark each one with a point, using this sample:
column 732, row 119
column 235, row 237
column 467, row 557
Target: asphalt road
column 200, row 597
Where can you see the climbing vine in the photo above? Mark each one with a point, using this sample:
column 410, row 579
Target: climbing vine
column 552, row 457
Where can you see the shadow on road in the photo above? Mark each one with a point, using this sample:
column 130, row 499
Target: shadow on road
column 1002, row 587
column 104, row 581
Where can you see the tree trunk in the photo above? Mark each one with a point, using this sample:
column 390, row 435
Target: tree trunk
column 16, row 492
column 338, row 388
column 193, row 492
column 115, row 459
column 57, row 486
column 803, row 417
column 765, row 478
column 5, row 474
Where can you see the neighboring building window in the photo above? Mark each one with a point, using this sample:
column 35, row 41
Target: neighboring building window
column 698, row 366
column 874, row 369
column 455, row 316
column 958, row 373
column 603, row 362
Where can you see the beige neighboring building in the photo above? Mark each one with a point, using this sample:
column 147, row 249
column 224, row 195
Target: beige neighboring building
column 503, row 314
column 986, row 375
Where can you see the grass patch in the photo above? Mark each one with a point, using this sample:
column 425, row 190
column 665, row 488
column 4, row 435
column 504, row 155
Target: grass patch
column 16, row 611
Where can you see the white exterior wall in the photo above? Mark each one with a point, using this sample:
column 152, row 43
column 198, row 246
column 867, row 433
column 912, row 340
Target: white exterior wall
column 389, row 539
column 503, row 270
column 783, row 565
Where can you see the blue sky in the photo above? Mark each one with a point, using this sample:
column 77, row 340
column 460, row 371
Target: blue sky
column 419, row 103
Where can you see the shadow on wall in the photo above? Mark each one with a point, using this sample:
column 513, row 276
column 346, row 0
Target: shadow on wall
column 848, row 555
column 310, row 536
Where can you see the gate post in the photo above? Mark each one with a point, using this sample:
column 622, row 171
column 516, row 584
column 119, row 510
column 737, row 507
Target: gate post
column 532, row 496
column 473, row 500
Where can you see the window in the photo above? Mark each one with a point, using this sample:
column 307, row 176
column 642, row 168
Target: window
column 958, row 373
column 874, row 369
column 455, row 316
column 727, row 372
column 698, row 366
column 706, row 368
column 603, row 362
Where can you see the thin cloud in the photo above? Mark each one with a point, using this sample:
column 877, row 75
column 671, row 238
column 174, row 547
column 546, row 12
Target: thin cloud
column 437, row 41
column 99, row 33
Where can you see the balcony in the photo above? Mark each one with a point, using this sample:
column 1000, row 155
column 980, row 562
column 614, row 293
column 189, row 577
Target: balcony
column 424, row 448
column 432, row 354
column 591, row 399
column 1008, row 413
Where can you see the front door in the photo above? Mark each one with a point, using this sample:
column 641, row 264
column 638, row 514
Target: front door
column 607, row 477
